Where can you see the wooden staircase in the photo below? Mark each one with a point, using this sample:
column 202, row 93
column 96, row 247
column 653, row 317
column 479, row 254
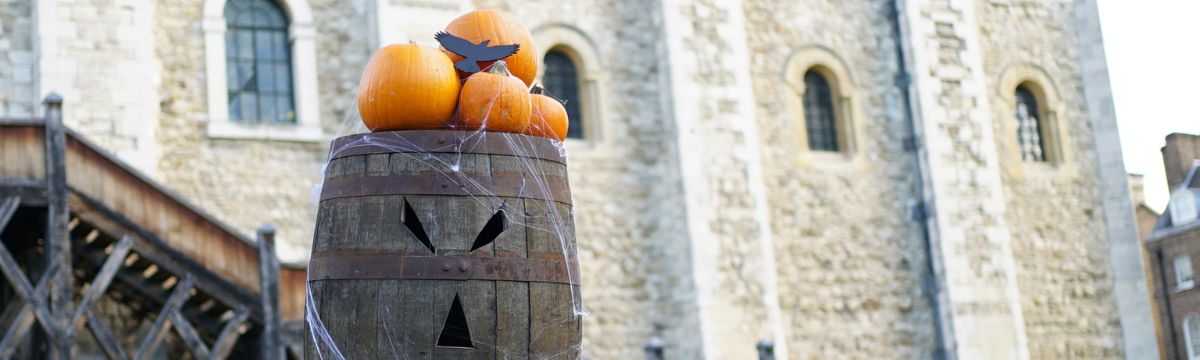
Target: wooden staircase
column 77, row 224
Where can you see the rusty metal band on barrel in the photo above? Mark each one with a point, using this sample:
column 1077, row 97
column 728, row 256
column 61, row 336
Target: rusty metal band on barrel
column 407, row 267
column 502, row 185
column 446, row 141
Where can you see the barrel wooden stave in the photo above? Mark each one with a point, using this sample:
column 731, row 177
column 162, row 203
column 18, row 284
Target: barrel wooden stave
column 402, row 318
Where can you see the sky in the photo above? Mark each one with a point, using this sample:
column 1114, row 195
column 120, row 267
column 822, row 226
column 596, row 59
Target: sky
column 1154, row 63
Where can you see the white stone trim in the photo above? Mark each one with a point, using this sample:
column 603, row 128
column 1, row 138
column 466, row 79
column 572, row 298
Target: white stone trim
column 1182, row 267
column 583, row 52
column 302, row 34
column 846, row 107
column 983, row 307
column 683, row 97
column 1134, row 305
column 1189, row 334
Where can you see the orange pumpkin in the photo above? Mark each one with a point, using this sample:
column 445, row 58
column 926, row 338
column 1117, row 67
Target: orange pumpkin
column 495, row 101
column 549, row 117
column 502, row 29
column 408, row 87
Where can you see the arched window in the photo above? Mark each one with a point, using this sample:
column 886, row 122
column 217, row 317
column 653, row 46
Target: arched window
column 561, row 81
column 820, row 120
column 258, row 62
column 1029, row 126
column 1191, row 336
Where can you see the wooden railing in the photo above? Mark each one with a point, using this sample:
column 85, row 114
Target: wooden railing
column 105, row 190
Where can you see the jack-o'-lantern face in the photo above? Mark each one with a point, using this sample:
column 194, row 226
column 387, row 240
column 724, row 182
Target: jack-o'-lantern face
column 456, row 331
column 445, row 277
column 444, row 245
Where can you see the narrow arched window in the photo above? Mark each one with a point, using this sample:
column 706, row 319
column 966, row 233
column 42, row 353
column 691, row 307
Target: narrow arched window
column 820, row 120
column 258, row 62
column 1029, row 126
column 1191, row 336
column 561, row 80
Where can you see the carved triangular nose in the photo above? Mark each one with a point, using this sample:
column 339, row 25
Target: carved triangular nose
column 456, row 332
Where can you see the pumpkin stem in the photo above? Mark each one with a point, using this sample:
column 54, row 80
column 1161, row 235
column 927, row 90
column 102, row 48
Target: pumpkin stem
column 499, row 68
column 537, row 89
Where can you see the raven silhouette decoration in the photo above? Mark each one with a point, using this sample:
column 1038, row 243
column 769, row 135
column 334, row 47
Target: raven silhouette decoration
column 474, row 53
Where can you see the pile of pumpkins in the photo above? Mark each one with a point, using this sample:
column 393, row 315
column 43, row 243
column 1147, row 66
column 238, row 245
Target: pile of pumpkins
column 415, row 87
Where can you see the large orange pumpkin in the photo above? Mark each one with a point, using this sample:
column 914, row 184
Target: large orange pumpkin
column 549, row 117
column 495, row 101
column 408, row 87
column 502, row 29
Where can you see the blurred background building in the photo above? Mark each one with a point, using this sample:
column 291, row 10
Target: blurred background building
column 854, row 178
column 1172, row 242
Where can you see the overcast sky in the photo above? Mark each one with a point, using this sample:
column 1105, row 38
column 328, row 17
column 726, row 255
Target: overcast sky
column 1154, row 60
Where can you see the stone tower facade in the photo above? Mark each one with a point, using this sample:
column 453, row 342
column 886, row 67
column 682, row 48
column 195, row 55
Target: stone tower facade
column 704, row 217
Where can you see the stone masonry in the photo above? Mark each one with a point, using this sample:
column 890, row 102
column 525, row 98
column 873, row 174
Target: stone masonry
column 1066, row 298
column 702, row 217
column 855, row 285
column 17, row 97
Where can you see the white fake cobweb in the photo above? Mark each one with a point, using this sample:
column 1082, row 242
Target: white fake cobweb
column 445, row 160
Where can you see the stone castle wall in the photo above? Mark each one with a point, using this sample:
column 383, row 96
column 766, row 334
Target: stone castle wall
column 98, row 54
column 244, row 182
column 728, row 221
column 17, row 94
column 701, row 218
column 628, row 212
column 848, row 254
column 1054, row 213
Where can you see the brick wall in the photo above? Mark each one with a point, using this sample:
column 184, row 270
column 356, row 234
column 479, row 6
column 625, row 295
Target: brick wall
column 1181, row 151
column 1181, row 303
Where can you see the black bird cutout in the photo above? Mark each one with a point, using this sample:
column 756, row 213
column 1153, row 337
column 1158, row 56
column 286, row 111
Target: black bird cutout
column 474, row 53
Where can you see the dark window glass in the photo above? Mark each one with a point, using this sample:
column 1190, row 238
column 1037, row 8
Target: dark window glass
column 561, row 81
column 819, row 117
column 258, row 62
column 1029, row 126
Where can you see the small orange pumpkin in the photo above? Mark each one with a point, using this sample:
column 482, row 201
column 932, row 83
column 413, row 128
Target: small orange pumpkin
column 408, row 87
column 502, row 29
column 495, row 101
column 549, row 119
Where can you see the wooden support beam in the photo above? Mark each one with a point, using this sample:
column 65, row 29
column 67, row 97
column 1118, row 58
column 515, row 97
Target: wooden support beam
column 16, row 278
column 151, row 293
column 189, row 335
column 154, row 249
column 18, row 327
column 32, row 192
column 23, row 321
column 58, row 242
column 104, row 337
column 8, row 209
column 229, row 335
column 133, row 280
column 162, row 323
column 100, row 283
column 268, row 271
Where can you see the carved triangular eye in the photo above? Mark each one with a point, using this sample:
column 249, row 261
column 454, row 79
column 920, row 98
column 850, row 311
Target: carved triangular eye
column 456, row 332
column 410, row 220
column 491, row 230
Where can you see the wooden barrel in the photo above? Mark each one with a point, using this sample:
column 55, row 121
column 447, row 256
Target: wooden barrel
column 444, row 245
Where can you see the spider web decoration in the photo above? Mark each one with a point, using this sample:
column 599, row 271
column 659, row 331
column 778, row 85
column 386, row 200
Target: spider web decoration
column 435, row 243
